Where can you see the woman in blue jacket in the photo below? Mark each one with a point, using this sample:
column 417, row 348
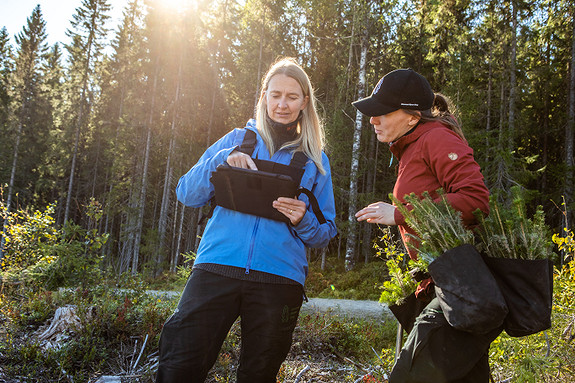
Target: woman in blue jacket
column 249, row 266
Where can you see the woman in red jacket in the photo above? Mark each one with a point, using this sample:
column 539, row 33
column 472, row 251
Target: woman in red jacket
column 433, row 154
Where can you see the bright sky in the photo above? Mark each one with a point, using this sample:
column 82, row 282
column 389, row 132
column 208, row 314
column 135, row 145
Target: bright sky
column 56, row 13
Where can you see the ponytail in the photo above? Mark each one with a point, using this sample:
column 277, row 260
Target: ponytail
column 440, row 111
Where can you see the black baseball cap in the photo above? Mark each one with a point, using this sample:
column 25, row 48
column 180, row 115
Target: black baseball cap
column 399, row 89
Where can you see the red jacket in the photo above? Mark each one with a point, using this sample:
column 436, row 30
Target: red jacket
column 433, row 157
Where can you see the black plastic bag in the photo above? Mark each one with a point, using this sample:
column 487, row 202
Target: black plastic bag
column 527, row 286
column 408, row 310
column 467, row 291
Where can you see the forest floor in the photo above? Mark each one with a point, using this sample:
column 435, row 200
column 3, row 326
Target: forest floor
column 314, row 362
column 313, row 357
column 318, row 363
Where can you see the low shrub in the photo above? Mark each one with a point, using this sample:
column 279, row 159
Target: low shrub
column 115, row 325
column 363, row 282
column 39, row 254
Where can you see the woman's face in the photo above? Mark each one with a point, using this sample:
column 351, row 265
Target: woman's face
column 390, row 127
column 284, row 99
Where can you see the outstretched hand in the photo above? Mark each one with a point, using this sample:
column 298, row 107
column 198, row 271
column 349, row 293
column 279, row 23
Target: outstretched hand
column 378, row 212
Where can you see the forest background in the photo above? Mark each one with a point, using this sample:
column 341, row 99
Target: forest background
column 110, row 126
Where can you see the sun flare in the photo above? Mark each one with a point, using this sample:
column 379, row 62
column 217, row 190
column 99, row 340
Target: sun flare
column 177, row 4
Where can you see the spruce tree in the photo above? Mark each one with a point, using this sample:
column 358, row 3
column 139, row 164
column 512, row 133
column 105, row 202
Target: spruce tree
column 27, row 107
column 87, row 33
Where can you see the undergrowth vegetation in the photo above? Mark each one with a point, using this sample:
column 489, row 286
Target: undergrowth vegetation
column 63, row 317
column 110, row 330
column 364, row 282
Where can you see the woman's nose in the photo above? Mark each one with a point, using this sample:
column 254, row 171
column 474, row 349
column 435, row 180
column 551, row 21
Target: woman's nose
column 373, row 120
column 282, row 103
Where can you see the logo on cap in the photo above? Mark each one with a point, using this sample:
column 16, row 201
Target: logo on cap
column 376, row 89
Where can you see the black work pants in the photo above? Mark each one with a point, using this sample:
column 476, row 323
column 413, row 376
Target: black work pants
column 435, row 352
column 192, row 337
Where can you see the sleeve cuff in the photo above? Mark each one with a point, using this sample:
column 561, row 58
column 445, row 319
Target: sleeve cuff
column 398, row 217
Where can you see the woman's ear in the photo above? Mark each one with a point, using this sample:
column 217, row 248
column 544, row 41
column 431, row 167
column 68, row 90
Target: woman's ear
column 413, row 119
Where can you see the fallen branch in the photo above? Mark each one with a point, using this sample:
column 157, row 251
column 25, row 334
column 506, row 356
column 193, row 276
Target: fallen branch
column 141, row 352
column 378, row 357
column 346, row 359
column 300, row 374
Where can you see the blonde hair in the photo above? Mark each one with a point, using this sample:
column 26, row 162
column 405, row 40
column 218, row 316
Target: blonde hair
column 311, row 139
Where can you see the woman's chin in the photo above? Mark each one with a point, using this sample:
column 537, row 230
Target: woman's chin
column 282, row 120
column 383, row 138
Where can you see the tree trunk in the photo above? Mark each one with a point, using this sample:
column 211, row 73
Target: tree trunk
column 502, row 161
column 74, row 159
column 163, row 221
column 106, row 249
column 569, row 162
column 489, row 150
column 352, row 234
column 258, row 78
column 144, row 185
column 513, row 79
column 11, row 187
column 350, row 54
column 79, row 122
column 370, row 188
column 180, row 230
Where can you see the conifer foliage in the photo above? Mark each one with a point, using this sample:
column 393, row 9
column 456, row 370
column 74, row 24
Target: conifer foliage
column 120, row 119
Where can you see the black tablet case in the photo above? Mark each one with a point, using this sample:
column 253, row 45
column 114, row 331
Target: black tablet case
column 252, row 191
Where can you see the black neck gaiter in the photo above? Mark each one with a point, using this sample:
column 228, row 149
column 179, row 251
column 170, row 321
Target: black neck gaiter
column 282, row 133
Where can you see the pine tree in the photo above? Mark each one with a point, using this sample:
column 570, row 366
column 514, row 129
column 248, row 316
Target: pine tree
column 87, row 34
column 46, row 188
column 569, row 130
column 122, row 89
column 27, row 103
column 5, row 68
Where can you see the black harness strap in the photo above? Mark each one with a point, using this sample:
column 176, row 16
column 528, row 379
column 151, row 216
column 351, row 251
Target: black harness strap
column 298, row 160
column 314, row 204
column 297, row 163
column 249, row 143
column 247, row 146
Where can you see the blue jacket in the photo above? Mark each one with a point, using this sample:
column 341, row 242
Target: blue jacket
column 255, row 243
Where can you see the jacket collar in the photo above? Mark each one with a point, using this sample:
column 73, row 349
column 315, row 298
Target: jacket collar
column 398, row 147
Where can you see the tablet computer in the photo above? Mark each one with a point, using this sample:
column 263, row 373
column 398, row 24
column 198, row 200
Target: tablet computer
column 252, row 191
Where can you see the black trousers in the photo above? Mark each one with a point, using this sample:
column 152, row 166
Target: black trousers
column 435, row 352
column 192, row 337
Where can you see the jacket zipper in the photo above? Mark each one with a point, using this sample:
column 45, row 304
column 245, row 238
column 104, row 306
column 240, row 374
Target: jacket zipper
column 252, row 244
